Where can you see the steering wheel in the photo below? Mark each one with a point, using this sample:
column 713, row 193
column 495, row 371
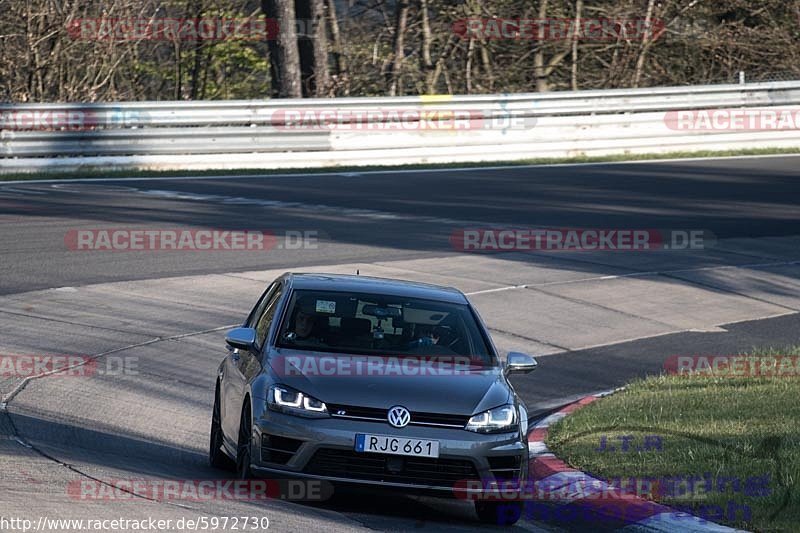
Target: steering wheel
column 416, row 343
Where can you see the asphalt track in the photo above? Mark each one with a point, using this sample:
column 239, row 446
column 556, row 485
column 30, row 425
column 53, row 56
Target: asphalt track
column 595, row 319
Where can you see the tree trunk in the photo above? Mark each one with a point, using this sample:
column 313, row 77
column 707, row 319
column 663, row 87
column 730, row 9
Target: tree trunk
column 646, row 41
column 538, row 59
column 196, row 8
column 283, row 54
column 468, row 68
column 542, row 69
column 340, row 60
column 401, row 18
column 575, row 37
column 425, row 57
column 487, row 66
column 447, row 53
column 312, row 44
column 178, row 71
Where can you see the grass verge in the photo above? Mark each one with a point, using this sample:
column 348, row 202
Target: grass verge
column 112, row 174
column 724, row 448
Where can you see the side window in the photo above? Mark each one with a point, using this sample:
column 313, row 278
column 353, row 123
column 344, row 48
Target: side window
column 252, row 320
column 265, row 321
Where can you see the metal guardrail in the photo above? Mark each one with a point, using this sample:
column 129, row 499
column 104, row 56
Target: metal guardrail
column 403, row 130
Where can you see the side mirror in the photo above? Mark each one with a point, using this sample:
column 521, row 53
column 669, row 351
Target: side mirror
column 520, row 363
column 241, row 338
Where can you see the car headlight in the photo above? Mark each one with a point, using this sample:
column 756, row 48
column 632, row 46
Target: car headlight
column 294, row 402
column 498, row 420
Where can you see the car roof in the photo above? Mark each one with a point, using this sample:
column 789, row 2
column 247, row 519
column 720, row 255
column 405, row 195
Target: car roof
column 372, row 285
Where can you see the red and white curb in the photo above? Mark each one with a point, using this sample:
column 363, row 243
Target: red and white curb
column 579, row 494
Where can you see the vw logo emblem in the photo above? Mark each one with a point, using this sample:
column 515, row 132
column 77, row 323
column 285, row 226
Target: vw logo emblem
column 399, row 416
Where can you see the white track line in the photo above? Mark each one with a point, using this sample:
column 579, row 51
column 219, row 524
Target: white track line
column 355, row 173
column 635, row 274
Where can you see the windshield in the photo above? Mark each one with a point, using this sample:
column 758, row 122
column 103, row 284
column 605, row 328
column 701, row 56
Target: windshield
column 377, row 324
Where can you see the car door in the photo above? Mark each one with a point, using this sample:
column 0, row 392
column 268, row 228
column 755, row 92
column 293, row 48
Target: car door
column 230, row 406
column 244, row 365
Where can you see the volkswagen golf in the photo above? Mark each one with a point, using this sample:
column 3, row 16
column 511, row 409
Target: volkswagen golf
column 370, row 381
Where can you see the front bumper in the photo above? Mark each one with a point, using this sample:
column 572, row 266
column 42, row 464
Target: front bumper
column 324, row 449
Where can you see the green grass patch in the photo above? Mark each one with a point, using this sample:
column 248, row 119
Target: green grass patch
column 112, row 174
column 739, row 435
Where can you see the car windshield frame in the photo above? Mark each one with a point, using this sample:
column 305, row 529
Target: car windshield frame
column 475, row 333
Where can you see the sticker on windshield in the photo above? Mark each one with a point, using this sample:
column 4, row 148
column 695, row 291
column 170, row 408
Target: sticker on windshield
column 325, row 306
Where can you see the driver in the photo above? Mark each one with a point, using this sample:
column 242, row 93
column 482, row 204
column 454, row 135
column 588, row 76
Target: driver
column 305, row 322
column 430, row 337
column 434, row 335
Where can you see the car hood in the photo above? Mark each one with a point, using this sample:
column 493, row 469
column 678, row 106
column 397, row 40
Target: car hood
column 430, row 388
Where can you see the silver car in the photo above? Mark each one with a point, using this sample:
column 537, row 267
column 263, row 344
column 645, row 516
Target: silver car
column 369, row 381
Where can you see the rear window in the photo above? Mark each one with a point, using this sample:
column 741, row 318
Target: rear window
column 375, row 324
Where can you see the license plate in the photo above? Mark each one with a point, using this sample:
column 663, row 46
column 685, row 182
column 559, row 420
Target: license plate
column 396, row 445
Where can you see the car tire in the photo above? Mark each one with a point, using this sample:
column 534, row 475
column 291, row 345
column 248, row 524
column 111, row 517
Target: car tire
column 499, row 513
column 216, row 455
column 244, row 446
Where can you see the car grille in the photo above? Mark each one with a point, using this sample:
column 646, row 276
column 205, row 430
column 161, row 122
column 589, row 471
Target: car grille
column 372, row 414
column 275, row 449
column 377, row 467
column 505, row 467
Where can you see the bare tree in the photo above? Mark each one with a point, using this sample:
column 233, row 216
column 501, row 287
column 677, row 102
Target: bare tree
column 468, row 66
column 283, row 53
column 401, row 20
column 312, row 44
column 544, row 68
column 575, row 38
column 196, row 7
column 647, row 40
column 340, row 60
column 425, row 56
column 50, row 50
